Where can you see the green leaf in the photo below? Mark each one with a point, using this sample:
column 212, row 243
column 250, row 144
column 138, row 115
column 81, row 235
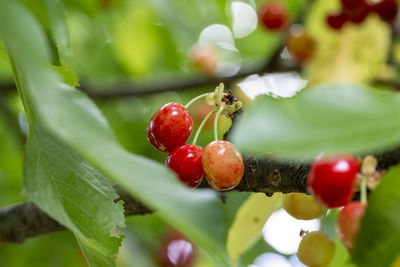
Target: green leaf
column 71, row 117
column 67, row 188
column 58, row 25
column 378, row 240
column 67, row 74
column 249, row 222
column 329, row 119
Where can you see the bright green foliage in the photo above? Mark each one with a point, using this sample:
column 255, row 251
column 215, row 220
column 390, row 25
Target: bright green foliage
column 72, row 119
column 329, row 119
column 64, row 185
column 378, row 240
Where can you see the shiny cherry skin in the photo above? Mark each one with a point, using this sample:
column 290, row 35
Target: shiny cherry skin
column 274, row 15
column 223, row 165
column 348, row 222
column 186, row 162
column 331, row 179
column 336, row 21
column 169, row 127
column 386, row 9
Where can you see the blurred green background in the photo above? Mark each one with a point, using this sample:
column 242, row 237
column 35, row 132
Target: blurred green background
column 117, row 42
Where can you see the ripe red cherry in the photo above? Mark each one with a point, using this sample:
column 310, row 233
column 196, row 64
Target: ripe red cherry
column 331, row 180
column 186, row 162
column 169, row 127
column 274, row 15
column 223, row 165
column 348, row 222
column 336, row 21
column 177, row 251
column 386, row 9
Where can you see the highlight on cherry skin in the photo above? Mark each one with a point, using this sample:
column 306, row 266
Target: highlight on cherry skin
column 169, row 127
column 316, row 249
column 186, row 162
column 177, row 251
column 331, row 179
column 223, row 165
column 348, row 223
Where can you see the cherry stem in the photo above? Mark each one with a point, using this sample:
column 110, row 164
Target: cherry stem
column 221, row 108
column 195, row 99
column 202, row 125
column 364, row 189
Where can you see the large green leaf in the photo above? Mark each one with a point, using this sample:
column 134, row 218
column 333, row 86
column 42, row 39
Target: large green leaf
column 74, row 119
column 329, row 119
column 64, row 185
column 378, row 241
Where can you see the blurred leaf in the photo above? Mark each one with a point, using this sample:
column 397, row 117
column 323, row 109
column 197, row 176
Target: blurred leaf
column 136, row 38
column 329, row 119
column 58, row 25
column 249, row 222
column 378, row 240
column 341, row 258
column 67, row 188
column 72, row 118
column 349, row 50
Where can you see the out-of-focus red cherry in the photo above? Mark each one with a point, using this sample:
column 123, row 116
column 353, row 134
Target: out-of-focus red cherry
column 177, row 251
column 274, row 15
column 331, row 179
column 348, row 222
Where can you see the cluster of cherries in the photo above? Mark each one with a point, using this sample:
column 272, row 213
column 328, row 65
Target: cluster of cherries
column 356, row 11
column 219, row 162
column 331, row 182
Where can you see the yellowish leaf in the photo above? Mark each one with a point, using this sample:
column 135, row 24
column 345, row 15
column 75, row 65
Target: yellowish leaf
column 248, row 223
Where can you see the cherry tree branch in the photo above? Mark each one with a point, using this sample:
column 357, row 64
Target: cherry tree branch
column 23, row 221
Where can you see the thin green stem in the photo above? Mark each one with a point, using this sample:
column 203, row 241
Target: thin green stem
column 195, row 99
column 216, row 122
column 202, row 125
column 364, row 189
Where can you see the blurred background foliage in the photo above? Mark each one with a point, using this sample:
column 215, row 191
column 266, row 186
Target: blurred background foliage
column 114, row 42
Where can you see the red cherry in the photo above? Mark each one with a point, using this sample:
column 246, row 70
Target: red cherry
column 348, row 222
column 169, row 127
column 274, row 15
column 223, row 165
column 336, row 21
column 386, row 9
column 186, row 162
column 177, row 251
column 331, row 180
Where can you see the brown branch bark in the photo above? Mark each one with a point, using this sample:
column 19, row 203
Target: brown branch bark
column 23, row 221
